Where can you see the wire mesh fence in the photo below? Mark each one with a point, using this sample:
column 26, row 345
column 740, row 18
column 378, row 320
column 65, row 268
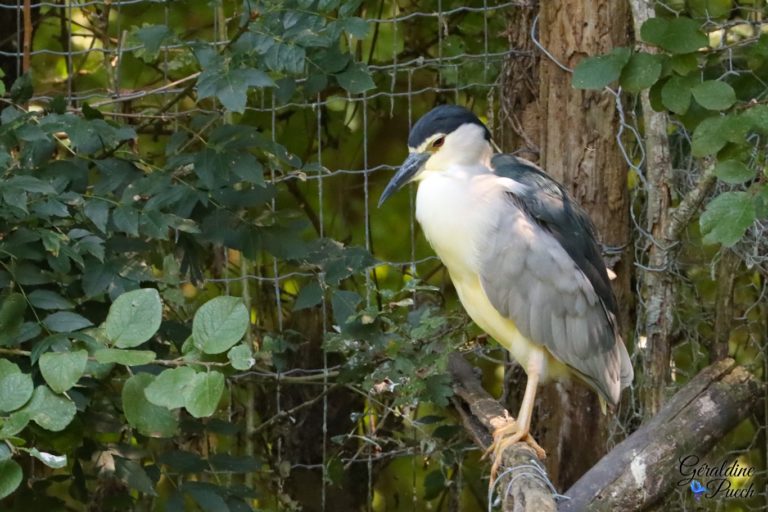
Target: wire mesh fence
column 120, row 57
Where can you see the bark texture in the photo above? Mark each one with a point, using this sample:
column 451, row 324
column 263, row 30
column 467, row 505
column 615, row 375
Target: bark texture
column 646, row 466
column 657, row 284
column 578, row 147
column 665, row 226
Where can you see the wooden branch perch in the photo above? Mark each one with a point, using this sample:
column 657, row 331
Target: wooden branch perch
column 645, row 466
column 526, row 490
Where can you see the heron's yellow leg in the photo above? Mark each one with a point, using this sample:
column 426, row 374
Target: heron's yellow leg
column 518, row 430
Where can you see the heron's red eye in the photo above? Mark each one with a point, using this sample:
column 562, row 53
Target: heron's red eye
column 438, row 142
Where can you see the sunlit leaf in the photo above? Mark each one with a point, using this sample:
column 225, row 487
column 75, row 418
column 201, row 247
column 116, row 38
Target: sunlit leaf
column 734, row 171
column 676, row 35
column 134, row 317
column 124, row 357
column 727, row 217
column 205, row 393
column 10, row 477
column 15, row 387
column 62, row 370
column 241, row 357
column 219, row 324
column 171, row 387
column 709, row 137
column 641, row 72
column 714, row 95
column 49, row 459
column 149, row 419
column 50, row 411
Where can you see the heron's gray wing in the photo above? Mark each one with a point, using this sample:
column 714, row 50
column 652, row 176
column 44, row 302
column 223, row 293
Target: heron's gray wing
column 542, row 268
column 549, row 203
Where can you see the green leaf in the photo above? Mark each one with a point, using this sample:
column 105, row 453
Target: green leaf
column 134, row 476
column 30, row 184
column 285, row 58
column 714, row 95
column 50, row 411
column 124, row 357
column 206, row 496
column 152, row 36
column 219, row 324
column 126, row 219
column 241, row 357
column 15, row 387
column 205, row 393
column 434, row 484
column 62, row 370
column 49, row 459
column 641, row 72
column 676, row 94
column 246, row 167
column 183, row 462
column 149, row 419
column 356, row 27
column 234, row 463
column 46, row 299
column 11, row 316
column 14, row 424
column 709, row 137
column 713, row 9
column 344, row 305
column 171, row 387
column 134, row 317
column 727, row 217
column 208, row 164
column 734, row 172
column 756, row 118
column 677, row 35
column 89, row 136
column 10, row 477
column 231, row 86
column 65, row 321
column 310, row 295
column 684, row 64
column 98, row 212
column 21, row 90
column 356, row 78
column 597, row 72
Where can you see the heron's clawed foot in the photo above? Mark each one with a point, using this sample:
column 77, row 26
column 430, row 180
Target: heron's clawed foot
column 504, row 437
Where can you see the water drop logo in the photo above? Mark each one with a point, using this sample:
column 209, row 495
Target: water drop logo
column 697, row 489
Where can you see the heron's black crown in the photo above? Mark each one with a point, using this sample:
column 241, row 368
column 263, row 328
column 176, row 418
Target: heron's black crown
column 443, row 119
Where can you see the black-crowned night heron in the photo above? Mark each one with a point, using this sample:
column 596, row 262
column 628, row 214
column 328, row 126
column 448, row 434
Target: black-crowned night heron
column 522, row 256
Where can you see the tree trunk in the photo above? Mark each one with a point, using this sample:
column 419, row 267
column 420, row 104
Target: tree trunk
column 578, row 147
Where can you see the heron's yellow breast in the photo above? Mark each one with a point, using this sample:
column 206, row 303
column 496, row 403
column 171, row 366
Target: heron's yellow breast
column 502, row 329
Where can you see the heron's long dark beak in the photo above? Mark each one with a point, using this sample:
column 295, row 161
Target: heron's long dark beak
column 407, row 172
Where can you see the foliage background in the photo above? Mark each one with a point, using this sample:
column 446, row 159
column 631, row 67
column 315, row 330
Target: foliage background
column 213, row 150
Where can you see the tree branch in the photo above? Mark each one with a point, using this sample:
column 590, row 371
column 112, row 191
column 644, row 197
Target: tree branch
column 525, row 485
column 646, row 466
